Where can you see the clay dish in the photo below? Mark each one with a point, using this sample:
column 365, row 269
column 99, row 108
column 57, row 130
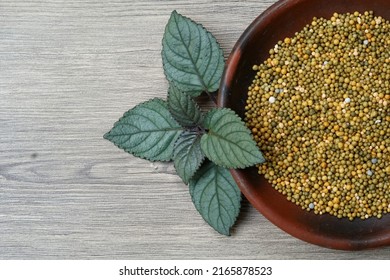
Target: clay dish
column 281, row 20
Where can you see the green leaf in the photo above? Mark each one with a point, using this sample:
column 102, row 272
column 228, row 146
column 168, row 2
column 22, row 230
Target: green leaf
column 229, row 142
column 147, row 131
column 187, row 155
column 192, row 58
column 183, row 108
column 216, row 196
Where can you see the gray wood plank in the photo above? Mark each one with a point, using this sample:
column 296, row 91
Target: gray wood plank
column 68, row 70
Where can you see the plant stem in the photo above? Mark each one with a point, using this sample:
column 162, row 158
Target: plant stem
column 212, row 97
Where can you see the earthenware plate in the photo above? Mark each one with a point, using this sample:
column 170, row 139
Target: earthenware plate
column 281, row 20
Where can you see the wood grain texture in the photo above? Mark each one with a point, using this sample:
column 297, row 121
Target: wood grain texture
column 68, row 70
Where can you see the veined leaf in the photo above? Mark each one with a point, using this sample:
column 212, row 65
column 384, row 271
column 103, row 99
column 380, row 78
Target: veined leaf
column 187, row 155
column 192, row 58
column 228, row 142
column 216, row 196
column 147, row 131
column 183, row 108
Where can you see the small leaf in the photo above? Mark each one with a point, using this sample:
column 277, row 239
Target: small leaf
column 192, row 58
column 216, row 196
column 187, row 155
column 183, row 108
column 228, row 142
column 147, row 131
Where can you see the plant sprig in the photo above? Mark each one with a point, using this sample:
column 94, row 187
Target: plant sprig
column 202, row 145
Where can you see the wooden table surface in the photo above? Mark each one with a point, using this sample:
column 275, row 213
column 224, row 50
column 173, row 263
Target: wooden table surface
column 68, row 70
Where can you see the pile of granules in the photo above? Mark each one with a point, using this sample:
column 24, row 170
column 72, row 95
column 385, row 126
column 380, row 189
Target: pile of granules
column 318, row 108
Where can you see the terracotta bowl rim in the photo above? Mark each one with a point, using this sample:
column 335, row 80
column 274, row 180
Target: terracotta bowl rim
column 286, row 225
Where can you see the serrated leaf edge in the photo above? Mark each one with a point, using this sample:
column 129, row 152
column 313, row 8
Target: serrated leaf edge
column 202, row 116
column 249, row 133
column 197, row 168
column 106, row 135
column 194, row 93
column 228, row 233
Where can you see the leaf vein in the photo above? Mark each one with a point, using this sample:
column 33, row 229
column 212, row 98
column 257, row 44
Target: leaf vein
column 191, row 58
